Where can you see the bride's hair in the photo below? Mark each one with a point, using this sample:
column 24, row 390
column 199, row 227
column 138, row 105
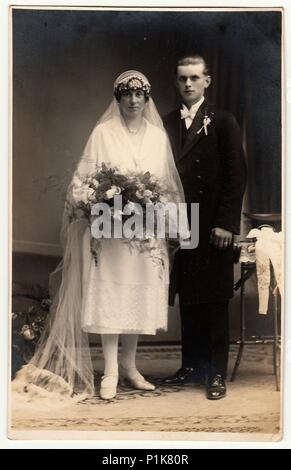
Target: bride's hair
column 118, row 93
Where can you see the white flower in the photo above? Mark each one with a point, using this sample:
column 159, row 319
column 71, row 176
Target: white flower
column 95, row 183
column 145, row 194
column 206, row 121
column 27, row 332
column 90, row 194
column 80, row 194
column 77, row 183
column 148, row 194
column 153, row 179
column 114, row 190
column 140, row 192
column 118, row 190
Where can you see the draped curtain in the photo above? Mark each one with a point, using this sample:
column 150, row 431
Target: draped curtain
column 244, row 54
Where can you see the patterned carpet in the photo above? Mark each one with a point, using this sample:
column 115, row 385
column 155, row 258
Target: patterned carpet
column 252, row 404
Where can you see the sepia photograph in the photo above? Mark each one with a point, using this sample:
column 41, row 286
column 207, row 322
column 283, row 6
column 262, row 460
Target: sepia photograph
column 147, row 223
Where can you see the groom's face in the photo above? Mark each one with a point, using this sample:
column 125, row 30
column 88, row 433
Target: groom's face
column 192, row 82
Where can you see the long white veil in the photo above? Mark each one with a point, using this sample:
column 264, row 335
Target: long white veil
column 62, row 363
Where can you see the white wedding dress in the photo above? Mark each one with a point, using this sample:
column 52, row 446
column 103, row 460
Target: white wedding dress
column 127, row 292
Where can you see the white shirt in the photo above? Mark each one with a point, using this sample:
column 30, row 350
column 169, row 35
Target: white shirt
column 189, row 114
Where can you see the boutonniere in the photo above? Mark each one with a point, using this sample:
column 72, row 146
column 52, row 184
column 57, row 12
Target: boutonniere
column 207, row 120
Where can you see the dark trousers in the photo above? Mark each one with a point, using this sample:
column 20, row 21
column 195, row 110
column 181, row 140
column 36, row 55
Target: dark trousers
column 205, row 337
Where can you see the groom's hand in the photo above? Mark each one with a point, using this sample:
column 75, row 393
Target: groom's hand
column 220, row 238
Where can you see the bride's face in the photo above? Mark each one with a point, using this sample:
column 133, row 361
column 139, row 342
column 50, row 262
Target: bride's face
column 132, row 103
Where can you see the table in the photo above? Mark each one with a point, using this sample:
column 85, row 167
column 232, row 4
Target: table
column 247, row 270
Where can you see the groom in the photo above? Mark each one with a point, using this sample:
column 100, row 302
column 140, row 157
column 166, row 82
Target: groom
column 208, row 151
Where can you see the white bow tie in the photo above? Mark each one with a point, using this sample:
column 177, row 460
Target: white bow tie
column 185, row 113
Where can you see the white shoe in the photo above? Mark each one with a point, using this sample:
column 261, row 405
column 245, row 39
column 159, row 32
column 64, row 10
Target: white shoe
column 108, row 387
column 135, row 379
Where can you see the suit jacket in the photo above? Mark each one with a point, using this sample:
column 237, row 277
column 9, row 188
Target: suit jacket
column 213, row 173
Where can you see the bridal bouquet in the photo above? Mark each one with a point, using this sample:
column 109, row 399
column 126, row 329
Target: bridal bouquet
column 108, row 182
column 123, row 195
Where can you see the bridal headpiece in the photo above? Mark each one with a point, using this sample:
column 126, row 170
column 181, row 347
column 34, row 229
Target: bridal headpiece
column 131, row 80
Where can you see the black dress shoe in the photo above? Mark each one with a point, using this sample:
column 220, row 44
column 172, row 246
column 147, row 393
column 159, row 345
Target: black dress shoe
column 183, row 376
column 216, row 388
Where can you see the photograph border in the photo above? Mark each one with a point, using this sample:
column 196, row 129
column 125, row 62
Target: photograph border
column 152, row 438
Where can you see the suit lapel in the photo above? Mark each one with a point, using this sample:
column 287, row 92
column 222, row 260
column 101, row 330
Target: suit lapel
column 192, row 136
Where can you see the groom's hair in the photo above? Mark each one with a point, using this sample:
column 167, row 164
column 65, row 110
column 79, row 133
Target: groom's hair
column 193, row 59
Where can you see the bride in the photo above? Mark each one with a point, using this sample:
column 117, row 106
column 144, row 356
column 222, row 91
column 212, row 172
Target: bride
column 126, row 294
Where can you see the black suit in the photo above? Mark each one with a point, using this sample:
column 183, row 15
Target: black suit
column 212, row 171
